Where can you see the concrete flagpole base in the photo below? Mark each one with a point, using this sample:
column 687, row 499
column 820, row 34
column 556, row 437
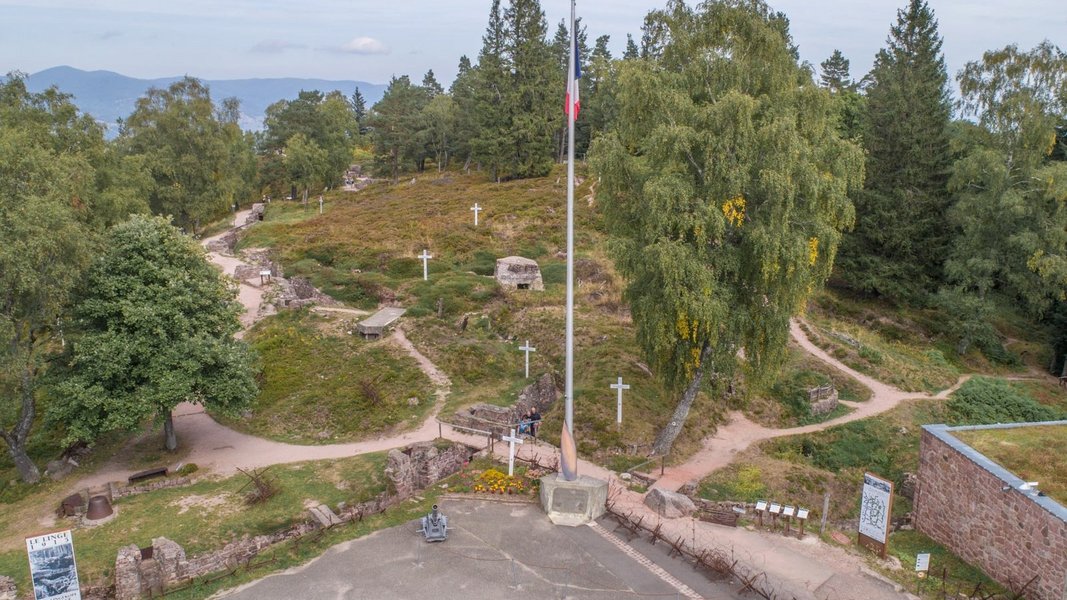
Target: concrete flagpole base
column 573, row 503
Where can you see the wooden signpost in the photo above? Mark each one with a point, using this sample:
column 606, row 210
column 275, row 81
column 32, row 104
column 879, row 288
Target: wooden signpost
column 876, row 507
column 761, row 507
column 802, row 516
column 775, row 510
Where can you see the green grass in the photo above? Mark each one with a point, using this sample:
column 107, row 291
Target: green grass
column 784, row 401
column 906, row 545
column 1032, row 453
column 321, row 384
column 214, row 513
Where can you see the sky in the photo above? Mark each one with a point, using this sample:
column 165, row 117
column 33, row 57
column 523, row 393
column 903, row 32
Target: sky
column 374, row 40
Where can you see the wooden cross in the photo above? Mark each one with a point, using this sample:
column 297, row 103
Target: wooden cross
column 425, row 256
column 476, row 210
column 619, row 386
column 527, row 349
column 511, row 440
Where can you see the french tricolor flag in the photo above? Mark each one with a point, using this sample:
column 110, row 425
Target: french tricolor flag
column 572, row 83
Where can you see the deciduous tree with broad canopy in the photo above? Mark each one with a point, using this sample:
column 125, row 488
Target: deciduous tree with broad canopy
column 154, row 328
column 725, row 187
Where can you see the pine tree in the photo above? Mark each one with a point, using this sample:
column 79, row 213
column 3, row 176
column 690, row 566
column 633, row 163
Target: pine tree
column 534, row 100
column 835, row 76
column 429, row 82
column 463, row 93
column 725, row 190
column 492, row 87
column 901, row 237
column 632, row 52
column 359, row 109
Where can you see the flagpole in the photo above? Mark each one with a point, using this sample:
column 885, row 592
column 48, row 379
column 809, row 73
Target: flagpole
column 569, row 381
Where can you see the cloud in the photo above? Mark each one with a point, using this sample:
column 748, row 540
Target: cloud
column 363, row 45
column 275, row 46
column 107, row 35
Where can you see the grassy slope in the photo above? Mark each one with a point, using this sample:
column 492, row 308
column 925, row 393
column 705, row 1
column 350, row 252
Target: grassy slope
column 1032, row 453
column 363, row 252
column 320, row 384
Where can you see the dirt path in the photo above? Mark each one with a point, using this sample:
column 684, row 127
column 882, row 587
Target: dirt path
column 740, row 432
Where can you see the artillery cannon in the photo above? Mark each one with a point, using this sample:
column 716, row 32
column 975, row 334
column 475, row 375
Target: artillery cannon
column 434, row 526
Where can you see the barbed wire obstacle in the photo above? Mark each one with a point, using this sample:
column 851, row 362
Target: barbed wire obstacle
column 715, row 562
column 263, row 486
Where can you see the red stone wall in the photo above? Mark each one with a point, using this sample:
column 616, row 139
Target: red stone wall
column 1008, row 534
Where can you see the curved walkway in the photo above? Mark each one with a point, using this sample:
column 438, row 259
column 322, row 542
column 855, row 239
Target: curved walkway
column 740, row 432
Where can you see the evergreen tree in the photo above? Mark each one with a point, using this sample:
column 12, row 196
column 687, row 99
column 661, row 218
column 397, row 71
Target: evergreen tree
column 359, row 109
column 835, row 76
column 429, row 82
column 397, row 122
column 533, row 100
column 463, row 94
column 725, row 190
column 631, row 52
column 491, row 142
column 901, row 237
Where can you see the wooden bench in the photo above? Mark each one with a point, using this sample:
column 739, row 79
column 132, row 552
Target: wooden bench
column 148, row 474
column 719, row 516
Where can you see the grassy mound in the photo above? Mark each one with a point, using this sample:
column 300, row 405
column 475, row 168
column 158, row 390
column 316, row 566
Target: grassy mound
column 321, row 384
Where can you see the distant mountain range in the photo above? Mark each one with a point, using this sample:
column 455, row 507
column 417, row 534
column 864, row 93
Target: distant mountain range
column 109, row 96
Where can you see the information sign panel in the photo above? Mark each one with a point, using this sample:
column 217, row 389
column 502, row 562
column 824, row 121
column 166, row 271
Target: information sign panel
column 52, row 568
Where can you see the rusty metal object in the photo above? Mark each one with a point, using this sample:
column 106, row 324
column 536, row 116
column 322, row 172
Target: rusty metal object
column 99, row 508
column 72, row 505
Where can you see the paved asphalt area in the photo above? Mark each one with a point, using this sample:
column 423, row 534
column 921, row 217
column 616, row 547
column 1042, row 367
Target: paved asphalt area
column 493, row 550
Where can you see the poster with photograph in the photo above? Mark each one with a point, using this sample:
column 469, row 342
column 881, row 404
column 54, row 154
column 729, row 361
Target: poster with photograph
column 875, row 507
column 52, row 568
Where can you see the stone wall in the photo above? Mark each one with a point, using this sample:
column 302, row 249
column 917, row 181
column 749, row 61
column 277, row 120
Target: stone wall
column 541, row 394
column 420, row 465
column 7, row 588
column 824, row 406
column 409, row 470
column 975, row 508
column 120, row 491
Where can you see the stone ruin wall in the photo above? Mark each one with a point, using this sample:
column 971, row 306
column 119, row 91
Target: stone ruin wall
column 1010, row 535
column 409, row 470
column 541, row 394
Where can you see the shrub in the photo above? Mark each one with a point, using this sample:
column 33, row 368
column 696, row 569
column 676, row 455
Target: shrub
column 187, row 469
column 982, row 400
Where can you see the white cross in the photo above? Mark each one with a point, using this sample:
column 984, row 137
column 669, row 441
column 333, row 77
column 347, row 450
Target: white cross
column 320, row 204
column 476, row 210
column 511, row 440
column 527, row 349
column 425, row 256
column 620, row 386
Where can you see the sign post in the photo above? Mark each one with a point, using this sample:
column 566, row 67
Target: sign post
column 527, row 349
column 619, row 386
column 802, row 516
column 52, row 567
column 761, row 507
column 511, row 440
column 775, row 510
column 876, row 507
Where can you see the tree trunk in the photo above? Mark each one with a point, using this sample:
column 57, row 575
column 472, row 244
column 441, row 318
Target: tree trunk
column 171, row 443
column 28, row 472
column 669, row 433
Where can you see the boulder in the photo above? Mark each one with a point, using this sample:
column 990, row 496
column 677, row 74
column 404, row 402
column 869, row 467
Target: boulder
column 670, row 505
column 58, row 469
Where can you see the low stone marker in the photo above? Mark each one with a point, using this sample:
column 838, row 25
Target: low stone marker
column 324, row 516
column 670, row 505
